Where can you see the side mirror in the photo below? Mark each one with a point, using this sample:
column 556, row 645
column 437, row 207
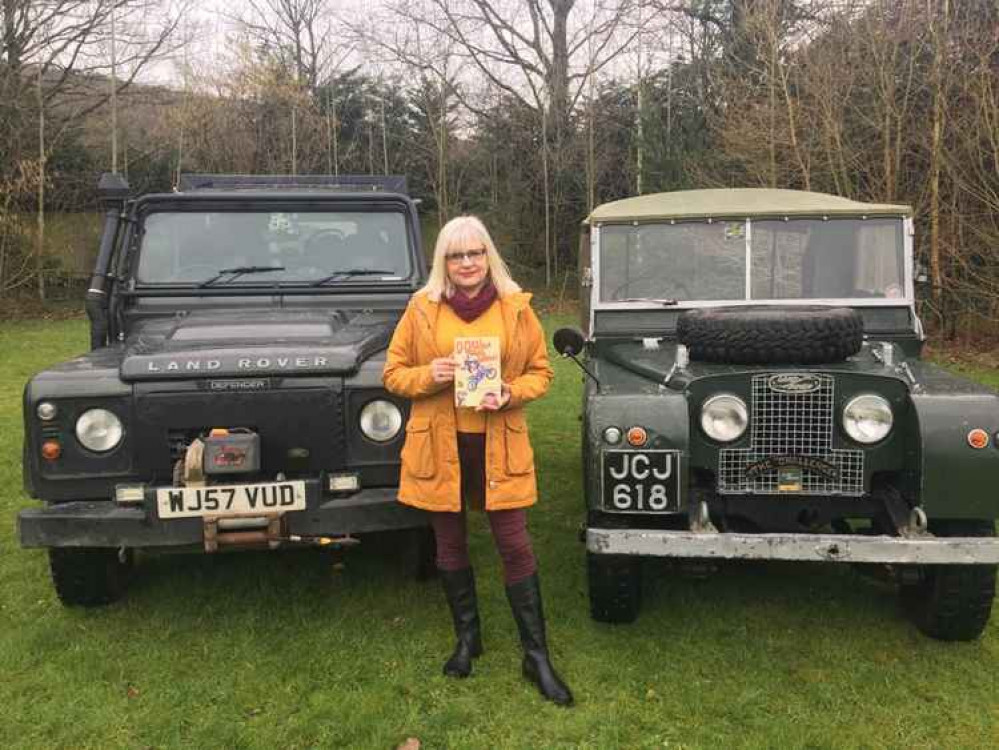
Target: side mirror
column 569, row 341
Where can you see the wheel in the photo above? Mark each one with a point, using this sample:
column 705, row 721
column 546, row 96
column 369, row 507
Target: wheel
column 615, row 583
column 419, row 553
column 952, row 602
column 89, row 577
column 771, row 335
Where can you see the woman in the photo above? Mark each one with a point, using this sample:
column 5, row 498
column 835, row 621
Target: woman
column 456, row 458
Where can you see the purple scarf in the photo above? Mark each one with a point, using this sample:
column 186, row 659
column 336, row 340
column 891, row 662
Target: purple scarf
column 469, row 308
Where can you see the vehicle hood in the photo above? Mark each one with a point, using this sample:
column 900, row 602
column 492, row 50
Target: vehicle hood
column 656, row 365
column 276, row 343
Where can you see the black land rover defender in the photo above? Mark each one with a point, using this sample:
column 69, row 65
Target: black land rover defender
column 233, row 395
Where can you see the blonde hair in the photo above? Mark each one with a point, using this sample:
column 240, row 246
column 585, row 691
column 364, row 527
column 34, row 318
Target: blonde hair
column 460, row 234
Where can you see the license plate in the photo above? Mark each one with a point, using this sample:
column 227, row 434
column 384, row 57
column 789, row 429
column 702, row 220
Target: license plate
column 230, row 500
column 641, row 481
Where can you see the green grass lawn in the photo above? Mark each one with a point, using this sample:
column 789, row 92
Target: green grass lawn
column 288, row 650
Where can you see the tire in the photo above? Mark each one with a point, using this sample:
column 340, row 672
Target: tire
column 771, row 335
column 615, row 587
column 953, row 602
column 88, row 577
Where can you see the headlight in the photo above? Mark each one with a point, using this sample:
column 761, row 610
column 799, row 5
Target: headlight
column 99, row 430
column 867, row 418
column 724, row 417
column 381, row 420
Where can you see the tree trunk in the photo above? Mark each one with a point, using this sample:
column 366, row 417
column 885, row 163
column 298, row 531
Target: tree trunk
column 547, row 190
column 40, row 238
column 938, row 37
column 294, row 139
column 11, row 42
column 558, row 74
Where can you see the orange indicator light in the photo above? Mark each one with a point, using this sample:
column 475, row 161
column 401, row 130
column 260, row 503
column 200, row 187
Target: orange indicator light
column 978, row 438
column 218, row 432
column 51, row 450
column 637, row 436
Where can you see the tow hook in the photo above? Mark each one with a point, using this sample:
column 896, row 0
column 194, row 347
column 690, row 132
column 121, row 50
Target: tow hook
column 236, row 531
column 263, row 531
column 917, row 520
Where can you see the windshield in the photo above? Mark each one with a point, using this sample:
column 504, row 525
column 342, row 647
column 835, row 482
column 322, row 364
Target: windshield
column 226, row 247
column 794, row 259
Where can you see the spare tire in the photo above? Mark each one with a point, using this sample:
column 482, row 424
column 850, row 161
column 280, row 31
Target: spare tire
column 771, row 335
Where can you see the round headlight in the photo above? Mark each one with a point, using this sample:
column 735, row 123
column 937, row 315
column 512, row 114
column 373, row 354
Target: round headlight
column 381, row 420
column 867, row 418
column 724, row 417
column 99, row 430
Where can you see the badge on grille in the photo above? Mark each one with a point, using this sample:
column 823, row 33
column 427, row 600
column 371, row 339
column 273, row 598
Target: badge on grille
column 794, row 382
column 233, row 385
column 781, row 463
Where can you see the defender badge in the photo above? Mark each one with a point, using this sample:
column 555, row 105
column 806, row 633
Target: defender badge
column 794, row 382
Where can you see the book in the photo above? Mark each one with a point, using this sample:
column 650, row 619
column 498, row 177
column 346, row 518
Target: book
column 477, row 370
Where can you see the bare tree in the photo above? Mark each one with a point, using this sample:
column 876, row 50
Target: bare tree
column 534, row 52
column 51, row 69
column 429, row 58
column 300, row 33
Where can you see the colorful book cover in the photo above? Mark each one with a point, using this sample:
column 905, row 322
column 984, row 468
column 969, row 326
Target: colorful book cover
column 477, row 372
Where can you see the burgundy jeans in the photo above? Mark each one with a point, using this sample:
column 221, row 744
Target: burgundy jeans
column 509, row 527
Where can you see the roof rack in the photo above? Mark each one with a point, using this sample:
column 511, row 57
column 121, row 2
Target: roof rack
column 344, row 183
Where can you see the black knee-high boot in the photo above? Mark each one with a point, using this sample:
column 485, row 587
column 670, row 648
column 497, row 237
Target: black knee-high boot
column 525, row 601
column 459, row 587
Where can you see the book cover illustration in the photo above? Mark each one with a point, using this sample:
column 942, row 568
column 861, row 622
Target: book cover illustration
column 477, row 370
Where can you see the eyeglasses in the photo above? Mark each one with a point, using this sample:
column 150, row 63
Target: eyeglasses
column 462, row 256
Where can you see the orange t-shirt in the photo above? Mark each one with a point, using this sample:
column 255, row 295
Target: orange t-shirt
column 450, row 327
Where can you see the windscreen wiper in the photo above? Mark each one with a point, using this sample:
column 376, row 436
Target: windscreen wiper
column 237, row 271
column 350, row 272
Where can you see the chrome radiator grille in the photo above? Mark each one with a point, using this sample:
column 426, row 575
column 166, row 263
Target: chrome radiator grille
column 791, row 425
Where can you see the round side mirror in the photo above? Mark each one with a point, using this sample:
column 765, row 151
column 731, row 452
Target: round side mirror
column 568, row 341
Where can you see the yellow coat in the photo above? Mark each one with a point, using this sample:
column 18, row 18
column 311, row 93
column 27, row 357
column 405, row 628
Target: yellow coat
column 430, row 476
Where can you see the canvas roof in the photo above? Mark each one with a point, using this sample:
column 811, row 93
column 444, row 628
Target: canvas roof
column 737, row 203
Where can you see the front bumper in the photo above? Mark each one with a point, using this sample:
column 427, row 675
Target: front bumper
column 853, row 548
column 106, row 524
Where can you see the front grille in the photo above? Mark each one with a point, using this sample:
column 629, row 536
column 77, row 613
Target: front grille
column 289, row 419
column 791, row 425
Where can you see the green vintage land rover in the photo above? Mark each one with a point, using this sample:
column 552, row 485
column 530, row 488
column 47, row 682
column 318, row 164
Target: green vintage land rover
column 755, row 391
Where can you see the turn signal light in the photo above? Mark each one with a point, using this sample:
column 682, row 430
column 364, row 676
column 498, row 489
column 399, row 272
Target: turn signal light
column 978, row 438
column 218, row 432
column 51, row 450
column 637, row 436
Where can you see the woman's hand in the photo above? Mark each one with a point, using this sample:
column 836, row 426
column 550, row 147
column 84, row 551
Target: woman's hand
column 442, row 369
column 492, row 404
